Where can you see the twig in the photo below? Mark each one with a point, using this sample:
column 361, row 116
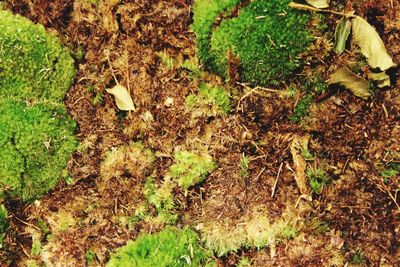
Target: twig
column 310, row 8
column 258, row 175
column 276, row 180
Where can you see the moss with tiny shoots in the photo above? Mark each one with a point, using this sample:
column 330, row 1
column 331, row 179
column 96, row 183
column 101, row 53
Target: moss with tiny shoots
column 190, row 168
column 37, row 141
column 209, row 101
column 170, row 247
column 3, row 224
column 317, row 179
column 257, row 37
column 33, row 64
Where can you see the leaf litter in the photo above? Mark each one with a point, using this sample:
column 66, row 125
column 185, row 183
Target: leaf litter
column 344, row 131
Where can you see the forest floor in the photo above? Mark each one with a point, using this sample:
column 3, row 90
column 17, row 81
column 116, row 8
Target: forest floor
column 355, row 219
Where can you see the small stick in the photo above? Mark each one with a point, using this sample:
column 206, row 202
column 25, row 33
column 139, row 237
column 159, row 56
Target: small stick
column 276, row 180
column 310, row 8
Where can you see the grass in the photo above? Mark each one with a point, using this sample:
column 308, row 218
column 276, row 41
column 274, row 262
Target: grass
column 170, row 247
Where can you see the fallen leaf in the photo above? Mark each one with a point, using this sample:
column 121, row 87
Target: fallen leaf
column 299, row 144
column 319, row 3
column 122, row 97
column 342, row 33
column 371, row 45
column 357, row 85
column 381, row 78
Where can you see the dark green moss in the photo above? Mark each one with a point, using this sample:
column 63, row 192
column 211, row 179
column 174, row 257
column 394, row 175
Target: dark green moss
column 33, row 64
column 170, row 247
column 317, row 179
column 301, row 109
column 267, row 38
column 37, row 141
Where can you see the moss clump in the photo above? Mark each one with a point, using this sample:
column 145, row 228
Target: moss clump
column 209, row 101
column 33, row 64
column 301, row 109
column 133, row 159
column 37, row 142
column 266, row 42
column 317, row 178
column 170, row 247
column 3, row 224
column 190, row 168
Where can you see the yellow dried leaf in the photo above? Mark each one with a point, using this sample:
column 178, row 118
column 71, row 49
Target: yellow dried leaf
column 122, row 97
column 357, row 85
column 381, row 78
column 319, row 3
column 371, row 44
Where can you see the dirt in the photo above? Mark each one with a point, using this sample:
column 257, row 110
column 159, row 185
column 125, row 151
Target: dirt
column 349, row 136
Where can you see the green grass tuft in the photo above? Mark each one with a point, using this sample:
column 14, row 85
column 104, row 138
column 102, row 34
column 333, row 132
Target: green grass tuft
column 37, row 142
column 267, row 43
column 170, row 247
column 33, row 64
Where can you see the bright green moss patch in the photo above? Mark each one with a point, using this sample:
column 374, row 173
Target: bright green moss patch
column 205, row 14
column 267, row 37
column 3, row 224
column 37, row 142
column 170, row 247
column 209, row 100
column 190, row 168
column 33, row 64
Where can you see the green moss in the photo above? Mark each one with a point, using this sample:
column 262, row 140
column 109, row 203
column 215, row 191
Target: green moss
column 190, row 168
column 161, row 197
column 170, row 247
column 358, row 258
column 301, row 109
column 317, row 179
column 244, row 166
column 209, row 100
column 266, row 42
column 33, row 64
column 37, row 142
column 205, row 13
column 3, row 224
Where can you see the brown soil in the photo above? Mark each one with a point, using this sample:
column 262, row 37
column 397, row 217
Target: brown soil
column 348, row 137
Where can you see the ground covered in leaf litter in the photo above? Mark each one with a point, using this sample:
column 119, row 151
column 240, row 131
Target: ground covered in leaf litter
column 355, row 219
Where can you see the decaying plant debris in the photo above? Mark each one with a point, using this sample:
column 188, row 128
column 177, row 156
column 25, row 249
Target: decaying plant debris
column 352, row 217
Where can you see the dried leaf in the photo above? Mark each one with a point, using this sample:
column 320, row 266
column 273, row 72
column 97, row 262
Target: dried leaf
column 381, row 78
column 357, row 85
column 299, row 144
column 372, row 46
column 122, row 97
column 342, row 33
column 319, row 3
